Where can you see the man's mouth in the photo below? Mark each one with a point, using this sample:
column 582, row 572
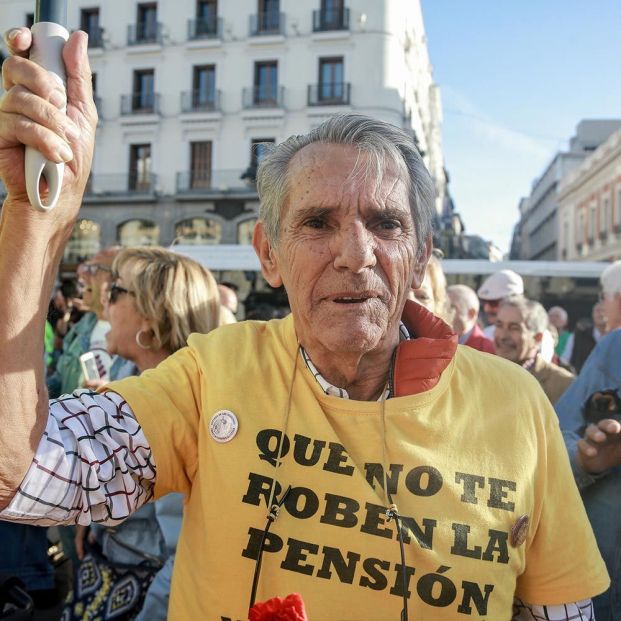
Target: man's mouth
column 353, row 298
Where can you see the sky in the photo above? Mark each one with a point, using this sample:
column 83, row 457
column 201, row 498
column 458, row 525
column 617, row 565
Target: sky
column 516, row 77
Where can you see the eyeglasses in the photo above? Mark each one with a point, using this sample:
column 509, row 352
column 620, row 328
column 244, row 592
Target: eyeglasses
column 115, row 290
column 92, row 268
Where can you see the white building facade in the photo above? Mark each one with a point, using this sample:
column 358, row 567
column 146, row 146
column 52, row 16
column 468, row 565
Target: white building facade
column 590, row 206
column 189, row 90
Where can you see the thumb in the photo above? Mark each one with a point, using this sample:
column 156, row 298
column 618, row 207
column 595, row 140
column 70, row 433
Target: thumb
column 79, row 76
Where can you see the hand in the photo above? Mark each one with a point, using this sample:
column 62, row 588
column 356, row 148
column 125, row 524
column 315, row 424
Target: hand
column 31, row 114
column 600, row 448
column 93, row 384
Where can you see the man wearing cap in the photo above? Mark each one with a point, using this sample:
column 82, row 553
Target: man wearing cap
column 493, row 291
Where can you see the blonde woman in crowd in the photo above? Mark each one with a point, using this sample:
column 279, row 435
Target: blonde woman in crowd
column 155, row 301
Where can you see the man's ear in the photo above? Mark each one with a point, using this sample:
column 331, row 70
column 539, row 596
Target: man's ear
column 538, row 337
column 421, row 263
column 266, row 254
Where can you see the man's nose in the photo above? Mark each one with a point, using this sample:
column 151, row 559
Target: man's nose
column 354, row 248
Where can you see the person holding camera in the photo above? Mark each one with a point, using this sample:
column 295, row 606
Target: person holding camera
column 595, row 445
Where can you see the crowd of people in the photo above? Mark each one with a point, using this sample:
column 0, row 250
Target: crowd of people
column 359, row 451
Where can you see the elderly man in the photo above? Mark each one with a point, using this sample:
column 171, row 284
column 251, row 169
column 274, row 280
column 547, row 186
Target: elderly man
column 495, row 288
column 595, row 452
column 520, row 324
column 557, row 316
column 406, row 470
column 465, row 306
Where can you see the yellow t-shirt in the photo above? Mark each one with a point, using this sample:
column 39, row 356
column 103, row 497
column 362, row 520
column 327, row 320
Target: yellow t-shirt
column 464, row 461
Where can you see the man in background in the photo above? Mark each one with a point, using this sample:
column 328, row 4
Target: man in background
column 493, row 291
column 595, row 451
column 585, row 337
column 465, row 306
column 520, row 324
column 557, row 316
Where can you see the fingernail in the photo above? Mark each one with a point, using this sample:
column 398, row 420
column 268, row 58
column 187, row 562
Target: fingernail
column 58, row 98
column 64, row 153
column 13, row 33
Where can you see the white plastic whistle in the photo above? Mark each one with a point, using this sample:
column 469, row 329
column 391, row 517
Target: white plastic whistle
column 48, row 40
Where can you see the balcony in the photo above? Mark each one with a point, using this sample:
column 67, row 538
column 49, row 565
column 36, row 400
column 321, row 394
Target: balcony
column 200, row 101
column 330, row 19
column 329, row 94
column 198, row 183
column 127, row 185
column 270, row 23
column 263, row 97
column 209, row 28
column 140, row 103
column 144, row 34
column 95, row 37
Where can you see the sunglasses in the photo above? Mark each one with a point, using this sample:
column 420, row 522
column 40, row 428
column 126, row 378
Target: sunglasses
column 115, row 291
column 92, row 268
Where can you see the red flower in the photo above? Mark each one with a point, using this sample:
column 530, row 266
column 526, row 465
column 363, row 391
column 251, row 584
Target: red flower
column 291, row 608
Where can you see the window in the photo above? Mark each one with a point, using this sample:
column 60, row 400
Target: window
column 146, row 23
column 332, row 15
column 89, row 23
column 206, row 18
column 618, row 216
column 269, row 16
column 140, row 167
column 83, row 243
column 138, row 233
column 592, row 218
column 143, row 95
column 331, row 87
column 200, row 164
column 258, row 150
column 245, row 231
column 604, row 221
column 204, row 87
column 198, row 231
column 265, row 84
column 580, row 229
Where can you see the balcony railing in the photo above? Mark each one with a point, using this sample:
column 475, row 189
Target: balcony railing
column 205, row 28
column 200, row 101
column 140, row 103
column 144, row 33
column 330, row 19
column 95, row 37
column 329, row 94
column 270, row 23
column 263, row 97
column 128, row 184
column 192, row 182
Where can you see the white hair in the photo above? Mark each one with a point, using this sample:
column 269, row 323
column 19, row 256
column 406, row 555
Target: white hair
column 384, row 144
column 611, row 278
column 465, row 298
column 533, row 314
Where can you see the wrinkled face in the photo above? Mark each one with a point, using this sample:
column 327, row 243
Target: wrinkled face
column 346, row 253
column 557, row 319
column 462, row 322
column 423, row 295
column 125, row 322
column 513, row 340
column 599, row 313
column 490, row 308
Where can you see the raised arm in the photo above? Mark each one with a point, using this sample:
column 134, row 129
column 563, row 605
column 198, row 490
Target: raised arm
column 31, row 243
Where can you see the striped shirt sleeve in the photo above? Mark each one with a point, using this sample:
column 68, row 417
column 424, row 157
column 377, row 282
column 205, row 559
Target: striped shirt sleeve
column 93, row 463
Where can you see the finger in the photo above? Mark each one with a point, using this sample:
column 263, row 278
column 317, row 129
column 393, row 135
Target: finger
column 17, row 129
column 610, row 426
column 588, row 450
column 594, row 434
column 18, row 41
column 21, row 101
column 79, row 76
column 17, row 71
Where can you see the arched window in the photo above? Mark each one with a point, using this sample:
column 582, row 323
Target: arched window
column 245, row 230
column 85, row 241
column 198, row 231
column 138, row 233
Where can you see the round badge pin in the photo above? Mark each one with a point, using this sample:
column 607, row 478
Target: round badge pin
column 223, row 426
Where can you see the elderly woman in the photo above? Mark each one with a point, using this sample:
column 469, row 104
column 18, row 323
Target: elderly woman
column 155, row 301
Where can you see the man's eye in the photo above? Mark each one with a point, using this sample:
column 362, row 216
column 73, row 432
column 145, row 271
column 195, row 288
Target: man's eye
column 315, row 223
column 388, row 225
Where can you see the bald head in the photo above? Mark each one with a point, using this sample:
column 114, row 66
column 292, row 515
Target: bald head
column 465, row 304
